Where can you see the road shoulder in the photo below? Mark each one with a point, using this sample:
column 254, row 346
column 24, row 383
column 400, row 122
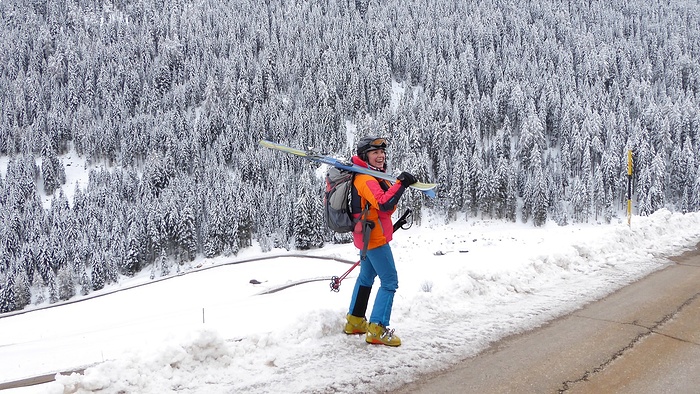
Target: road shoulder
column 640, row 339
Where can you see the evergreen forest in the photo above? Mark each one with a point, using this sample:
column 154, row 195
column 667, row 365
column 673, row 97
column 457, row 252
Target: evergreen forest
column 519, row 110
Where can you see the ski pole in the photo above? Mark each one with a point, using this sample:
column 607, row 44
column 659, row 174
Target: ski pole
column 335, row 281
column 367, row 227
column 403, row 220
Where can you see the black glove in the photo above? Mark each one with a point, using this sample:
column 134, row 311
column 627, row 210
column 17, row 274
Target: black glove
column 407, row 179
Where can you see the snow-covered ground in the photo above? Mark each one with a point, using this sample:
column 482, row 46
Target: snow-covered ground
column 461, row 287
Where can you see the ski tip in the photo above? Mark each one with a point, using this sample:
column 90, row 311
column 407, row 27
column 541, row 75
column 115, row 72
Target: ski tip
column 283, row 148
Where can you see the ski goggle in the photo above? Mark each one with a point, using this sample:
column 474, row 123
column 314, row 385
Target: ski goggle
column 379, row 143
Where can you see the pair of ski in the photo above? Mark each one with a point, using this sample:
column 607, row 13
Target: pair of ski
column 427, row 188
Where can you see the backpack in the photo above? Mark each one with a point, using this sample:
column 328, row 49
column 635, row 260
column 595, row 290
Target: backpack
column 337, row 209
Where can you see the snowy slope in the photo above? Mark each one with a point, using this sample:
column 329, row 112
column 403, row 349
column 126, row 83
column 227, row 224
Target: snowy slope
column 462, row 286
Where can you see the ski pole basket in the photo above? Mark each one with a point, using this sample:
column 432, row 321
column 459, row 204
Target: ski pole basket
column 335, row 281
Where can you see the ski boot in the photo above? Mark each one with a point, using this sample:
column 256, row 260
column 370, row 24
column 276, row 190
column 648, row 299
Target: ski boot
column 355, row 325
column 380, row 335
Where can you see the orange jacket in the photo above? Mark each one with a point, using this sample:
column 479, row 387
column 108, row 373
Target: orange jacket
column 382, row 197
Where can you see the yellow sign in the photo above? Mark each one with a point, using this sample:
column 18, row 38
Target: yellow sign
column 629, row 162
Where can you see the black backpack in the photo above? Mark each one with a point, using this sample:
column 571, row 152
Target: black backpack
column 337, row 208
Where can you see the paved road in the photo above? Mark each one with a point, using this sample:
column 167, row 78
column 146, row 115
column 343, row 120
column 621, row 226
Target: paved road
column 645, row 338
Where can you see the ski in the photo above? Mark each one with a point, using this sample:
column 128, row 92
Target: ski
column 427, row 188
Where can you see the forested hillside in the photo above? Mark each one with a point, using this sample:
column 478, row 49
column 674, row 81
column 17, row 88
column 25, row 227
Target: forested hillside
column 519, row 110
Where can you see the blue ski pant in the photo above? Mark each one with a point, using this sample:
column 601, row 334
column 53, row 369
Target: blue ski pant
column 377, row 262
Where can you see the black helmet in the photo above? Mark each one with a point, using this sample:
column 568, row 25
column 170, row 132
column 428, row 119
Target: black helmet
column 368, row 144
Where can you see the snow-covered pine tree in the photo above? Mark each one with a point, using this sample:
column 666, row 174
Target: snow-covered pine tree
column 131, row 263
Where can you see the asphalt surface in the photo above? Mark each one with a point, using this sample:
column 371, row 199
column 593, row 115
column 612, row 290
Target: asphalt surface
column 645, row 338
